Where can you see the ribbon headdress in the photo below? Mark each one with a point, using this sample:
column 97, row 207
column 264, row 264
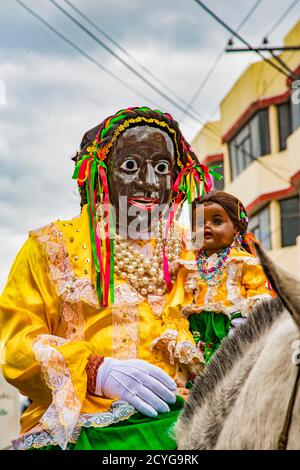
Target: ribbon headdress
column 91, row 173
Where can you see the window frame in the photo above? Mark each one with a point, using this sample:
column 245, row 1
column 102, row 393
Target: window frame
column 283, row 219
column 281, row 136
column 261, row 227
column 239, row 163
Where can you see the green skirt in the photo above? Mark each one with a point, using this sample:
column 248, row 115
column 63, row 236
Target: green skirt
column 136, row 433
column 208, row 329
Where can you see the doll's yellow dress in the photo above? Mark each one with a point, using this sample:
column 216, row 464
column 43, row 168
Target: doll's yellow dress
column 209, row 309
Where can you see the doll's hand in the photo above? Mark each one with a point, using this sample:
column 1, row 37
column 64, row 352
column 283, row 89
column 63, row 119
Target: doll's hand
column 181, row 376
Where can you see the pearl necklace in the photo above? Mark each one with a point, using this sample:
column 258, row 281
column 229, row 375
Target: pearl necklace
column 145, row 273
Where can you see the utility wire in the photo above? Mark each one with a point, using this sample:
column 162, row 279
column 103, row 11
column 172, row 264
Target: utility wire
column 120, row 59
column 277, row 23
column 90, row 58
column 281, row 62
column 238, row 36
column 125, row 51
column 98, row 64
column 81, row 51
column 217, row 60
column 234, row 33
column 265, row 165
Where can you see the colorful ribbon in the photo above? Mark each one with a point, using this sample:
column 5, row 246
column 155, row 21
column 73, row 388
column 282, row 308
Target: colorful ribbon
column 102, row 240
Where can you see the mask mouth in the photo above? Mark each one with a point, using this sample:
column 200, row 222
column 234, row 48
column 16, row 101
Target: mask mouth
column 143, row 202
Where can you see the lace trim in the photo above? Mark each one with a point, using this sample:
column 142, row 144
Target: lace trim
column 234, row 276
column 61, row 273
column 187, row 353
column 157, row 303
column 190, row 284
column 235, row 272
column 245, row 259
column 167, row 343
column 247, row 305
column 125, row 294
column 125, row 322
column 191, row 265
column 61, row 417
column 39, row 437
column 71, row 289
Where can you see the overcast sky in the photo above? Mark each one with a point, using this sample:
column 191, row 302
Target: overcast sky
column 54, row 94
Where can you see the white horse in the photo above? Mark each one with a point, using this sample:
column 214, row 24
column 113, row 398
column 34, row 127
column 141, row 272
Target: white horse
column 249, row 396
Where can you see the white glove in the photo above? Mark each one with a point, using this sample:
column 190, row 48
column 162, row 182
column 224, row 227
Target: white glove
column 235, row 323
column 145, row 386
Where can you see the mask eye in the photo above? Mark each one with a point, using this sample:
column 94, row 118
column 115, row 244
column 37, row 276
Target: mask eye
column 162, row 168
column 129, row 165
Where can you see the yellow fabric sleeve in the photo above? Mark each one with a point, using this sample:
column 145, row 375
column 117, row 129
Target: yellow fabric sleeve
column 30, row 318
column 254, row 286
column 254, row 281
column 175, row 338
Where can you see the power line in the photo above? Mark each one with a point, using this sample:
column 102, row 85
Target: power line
column 266, row 60
column 277, row 23
column 281, row 62
column 98, row 64
column 124, row 51
column 238, row 36
column 218, row 58
column 120, row 59
column 81, row 51
column 87, row 56
column 265, row 165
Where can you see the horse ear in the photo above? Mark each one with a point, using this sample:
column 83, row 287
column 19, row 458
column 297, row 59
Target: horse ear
column 285, row 285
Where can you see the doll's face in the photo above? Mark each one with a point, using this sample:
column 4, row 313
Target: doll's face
column 219, row 230
column 140, row 168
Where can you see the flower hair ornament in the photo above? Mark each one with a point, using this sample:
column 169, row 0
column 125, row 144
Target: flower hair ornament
column 90, row 172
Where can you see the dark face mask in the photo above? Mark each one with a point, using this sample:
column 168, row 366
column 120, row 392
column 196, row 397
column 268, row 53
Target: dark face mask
column 140, row 179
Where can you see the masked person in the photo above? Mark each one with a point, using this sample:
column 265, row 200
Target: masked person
column 84, row 300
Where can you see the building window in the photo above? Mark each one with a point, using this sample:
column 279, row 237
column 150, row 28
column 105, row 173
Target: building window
column 290, row 220
column 259, row 224
column 252, row 141
column 284, row 123
column 295, row 114
column 219, row 184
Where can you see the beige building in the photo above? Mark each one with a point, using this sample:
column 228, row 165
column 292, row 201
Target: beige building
column 258, row 140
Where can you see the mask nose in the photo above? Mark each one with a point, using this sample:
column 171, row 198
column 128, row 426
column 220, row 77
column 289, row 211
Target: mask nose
column 148, row 180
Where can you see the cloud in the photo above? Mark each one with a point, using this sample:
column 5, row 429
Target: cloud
column 53, row 94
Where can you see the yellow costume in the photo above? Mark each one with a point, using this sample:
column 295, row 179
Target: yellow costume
column 51, row 323
column 242, row 284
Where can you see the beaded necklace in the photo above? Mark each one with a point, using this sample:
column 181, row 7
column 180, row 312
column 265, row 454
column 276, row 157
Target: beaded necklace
column 145, row 273
column 210, row 272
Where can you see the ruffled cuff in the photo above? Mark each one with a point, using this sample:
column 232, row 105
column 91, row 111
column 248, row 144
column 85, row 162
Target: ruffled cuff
column 247, row 305
column 63, row 366
column 179, row 346
column 187, row 353
column 166, row 342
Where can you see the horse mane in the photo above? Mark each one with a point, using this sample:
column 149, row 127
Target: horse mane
column 264, row 315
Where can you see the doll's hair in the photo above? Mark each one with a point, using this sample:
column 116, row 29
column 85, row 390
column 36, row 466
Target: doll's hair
column 233, row 207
